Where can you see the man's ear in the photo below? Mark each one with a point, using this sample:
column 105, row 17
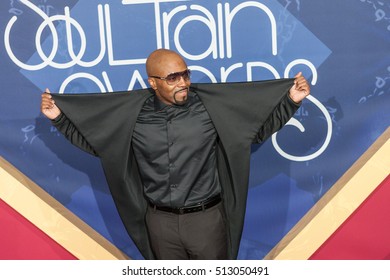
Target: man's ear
column 152, row 83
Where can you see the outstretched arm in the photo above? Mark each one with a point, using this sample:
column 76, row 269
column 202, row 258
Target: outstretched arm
column 63, row 124
column 285, row 110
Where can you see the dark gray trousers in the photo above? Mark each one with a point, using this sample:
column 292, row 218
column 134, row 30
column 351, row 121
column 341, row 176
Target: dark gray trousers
column 199, row 236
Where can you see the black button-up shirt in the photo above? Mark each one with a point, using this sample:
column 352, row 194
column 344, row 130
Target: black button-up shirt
column 175, row 150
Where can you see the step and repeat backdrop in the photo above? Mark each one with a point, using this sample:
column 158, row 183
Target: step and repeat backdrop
column 341, row 47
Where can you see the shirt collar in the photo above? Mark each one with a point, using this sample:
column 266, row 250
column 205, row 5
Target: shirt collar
column 158, row 104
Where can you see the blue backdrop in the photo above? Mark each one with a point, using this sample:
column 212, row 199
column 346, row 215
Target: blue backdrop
column 342, row 47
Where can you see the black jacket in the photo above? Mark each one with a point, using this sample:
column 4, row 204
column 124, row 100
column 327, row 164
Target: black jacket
column 243, row 113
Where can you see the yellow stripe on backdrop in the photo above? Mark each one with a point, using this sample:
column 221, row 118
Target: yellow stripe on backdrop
column 52, row 217
column 345, row 196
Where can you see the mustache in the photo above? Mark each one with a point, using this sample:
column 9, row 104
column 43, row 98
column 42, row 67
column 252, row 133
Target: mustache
column 179, row 90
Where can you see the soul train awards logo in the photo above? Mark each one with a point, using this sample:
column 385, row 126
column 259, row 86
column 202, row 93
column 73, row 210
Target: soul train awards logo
column 83, row 47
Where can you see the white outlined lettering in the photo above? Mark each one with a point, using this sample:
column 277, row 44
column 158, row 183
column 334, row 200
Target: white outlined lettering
column 168, row 26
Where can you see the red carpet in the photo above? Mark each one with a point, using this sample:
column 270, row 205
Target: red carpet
column 21, row 240
column 365, row 235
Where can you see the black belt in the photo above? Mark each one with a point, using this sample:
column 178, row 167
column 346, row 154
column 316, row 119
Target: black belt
column 190, row 209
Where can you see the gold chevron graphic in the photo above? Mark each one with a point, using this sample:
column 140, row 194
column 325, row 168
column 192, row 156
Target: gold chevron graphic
column 342, row 199
column 52, row 217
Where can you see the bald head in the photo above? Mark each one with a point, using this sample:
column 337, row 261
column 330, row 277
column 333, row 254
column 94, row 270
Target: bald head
column 160, row 61
column 159, row 65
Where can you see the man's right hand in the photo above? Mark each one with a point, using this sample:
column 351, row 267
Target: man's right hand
column 48, row 107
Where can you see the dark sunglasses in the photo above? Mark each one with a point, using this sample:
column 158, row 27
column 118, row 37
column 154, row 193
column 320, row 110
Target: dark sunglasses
column 174, row 78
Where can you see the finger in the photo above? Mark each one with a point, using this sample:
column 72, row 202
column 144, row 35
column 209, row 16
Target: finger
column 305, row 89
column 47, row 106
column 46, row 96
column 301, row 83
column 47, row 103
column 298, row 75
column 47, row 90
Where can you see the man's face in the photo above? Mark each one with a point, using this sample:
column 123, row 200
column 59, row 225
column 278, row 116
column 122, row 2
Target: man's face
column 173, row 89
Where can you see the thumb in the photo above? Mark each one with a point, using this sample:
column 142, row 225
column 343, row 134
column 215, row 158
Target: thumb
column 47, row 90
column 298, row 75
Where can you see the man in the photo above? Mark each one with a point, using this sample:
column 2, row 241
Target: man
column 176, row 156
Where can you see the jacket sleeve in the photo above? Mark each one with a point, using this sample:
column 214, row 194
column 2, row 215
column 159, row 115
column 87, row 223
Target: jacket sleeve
column 277, row 119
column 69, row 130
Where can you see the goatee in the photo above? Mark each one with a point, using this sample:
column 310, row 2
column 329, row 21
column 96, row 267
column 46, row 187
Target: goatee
column 185, row 98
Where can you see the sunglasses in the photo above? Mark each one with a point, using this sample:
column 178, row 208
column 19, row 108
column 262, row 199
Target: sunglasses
column 174, row 78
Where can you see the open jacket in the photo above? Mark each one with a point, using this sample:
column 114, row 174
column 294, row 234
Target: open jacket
column 243, row 113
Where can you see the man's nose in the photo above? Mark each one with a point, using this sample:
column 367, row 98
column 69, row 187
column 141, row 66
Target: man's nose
column 182, row 81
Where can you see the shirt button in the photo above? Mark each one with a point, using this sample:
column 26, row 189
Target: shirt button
column 171, row 165
column 173, row 186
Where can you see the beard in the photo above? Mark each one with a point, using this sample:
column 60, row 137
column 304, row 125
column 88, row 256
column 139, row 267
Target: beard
column 184, row 99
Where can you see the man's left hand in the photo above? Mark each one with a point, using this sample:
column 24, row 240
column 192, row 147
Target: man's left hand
column 300, row 89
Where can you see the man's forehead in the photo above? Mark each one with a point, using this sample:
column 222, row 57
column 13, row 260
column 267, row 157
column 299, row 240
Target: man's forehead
column 164, row 62
column 170, row 65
